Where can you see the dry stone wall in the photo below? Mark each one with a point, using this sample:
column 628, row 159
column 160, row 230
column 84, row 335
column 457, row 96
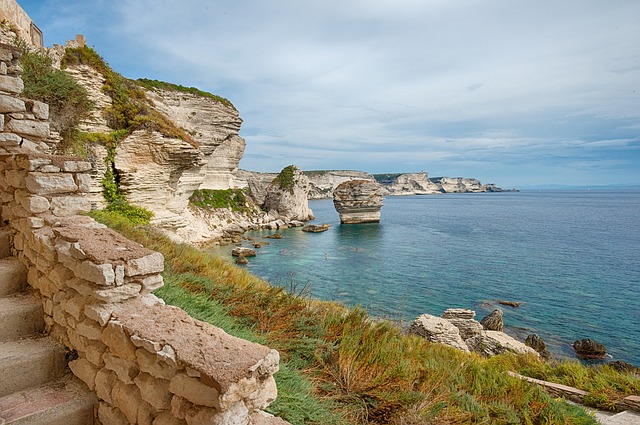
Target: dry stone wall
column 148, row 363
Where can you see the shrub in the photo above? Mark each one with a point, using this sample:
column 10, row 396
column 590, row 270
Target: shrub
column 286, row 178
column 227, row 198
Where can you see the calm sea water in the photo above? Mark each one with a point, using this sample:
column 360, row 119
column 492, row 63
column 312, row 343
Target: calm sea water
column 572, row 258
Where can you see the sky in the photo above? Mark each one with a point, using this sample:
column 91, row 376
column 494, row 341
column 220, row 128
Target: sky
column 517, row 93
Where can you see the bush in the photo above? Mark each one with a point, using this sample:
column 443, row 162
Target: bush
column 286, row 178
column 68, row 101
column 228, row 198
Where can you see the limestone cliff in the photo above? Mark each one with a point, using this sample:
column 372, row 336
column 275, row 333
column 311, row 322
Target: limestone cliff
column 287, row 196
column 421, row 184
column 323, row 183
column 358, row 201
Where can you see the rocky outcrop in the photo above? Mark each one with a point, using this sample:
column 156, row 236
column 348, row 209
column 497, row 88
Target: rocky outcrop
column 323, row 183
column 534, row 341
column 409, row 184
column 462, row 319
column 587, row 348
column 439, row 330
column 492, row 343
column 287, row 196
column 493, row 321
column 358, row 201
column 316, row 228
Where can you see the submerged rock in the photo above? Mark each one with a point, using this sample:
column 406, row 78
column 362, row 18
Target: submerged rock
column 587, row 348
column 534, row 341
column 358, row 201
column 437, row 329
column 493, row 321
column 510, row 303
column 241, row 259
column 492, row 343
column 316, row 228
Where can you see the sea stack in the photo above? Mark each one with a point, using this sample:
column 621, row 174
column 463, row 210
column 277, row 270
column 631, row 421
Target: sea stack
column 358, row 201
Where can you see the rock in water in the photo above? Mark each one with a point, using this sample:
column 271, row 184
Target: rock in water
column 241, row 259
column 358, row 201
column 534, row 341
column 492, row 343
column 316, row 228
column 462, row 319
column 287, row 196
column 493, row 321
column 436, row 329
column 587, row 348
column 243, row 252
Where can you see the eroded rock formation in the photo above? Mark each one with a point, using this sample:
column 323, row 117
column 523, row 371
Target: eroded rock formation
column 358, row 201
column 410, row 184
column 493, row 321
column 439, row 330
column 287, row 196
column 323, row 183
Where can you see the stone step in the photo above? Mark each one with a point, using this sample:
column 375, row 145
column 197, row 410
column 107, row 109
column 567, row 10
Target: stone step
column 66, row 401
column 21, row 315
column 31, row 362
column 13, row 276
column 5, row 243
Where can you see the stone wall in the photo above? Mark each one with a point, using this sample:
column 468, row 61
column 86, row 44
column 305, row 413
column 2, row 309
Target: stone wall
column 14, row 16
column 148, row 363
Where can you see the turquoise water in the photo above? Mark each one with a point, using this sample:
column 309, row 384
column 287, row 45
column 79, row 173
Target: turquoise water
column 572, row 258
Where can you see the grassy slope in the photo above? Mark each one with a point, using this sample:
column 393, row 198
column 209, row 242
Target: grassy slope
column 341, row 366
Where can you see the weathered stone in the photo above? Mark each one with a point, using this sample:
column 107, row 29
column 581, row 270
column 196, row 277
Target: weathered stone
column 587, row 348
column 84, row 182
column 42, row 183
column 10, row 104
column 491, row 343
column 125, row 369
column 84, row 370
column 152, row 263
column 105, row 381
column 127, row 399
column 10, row 84
column 90, row 330
column 411, row 184
column 316, row 228
column 167, row 418
column 40, row 110
column 64, row 206
column 153, row 365
column 116, row 338
column 358, row 201
column 195, row 391
column 29, row 128
column 10, row 139
column 439, row 330
column 34, row 204
column 493, row 321
column 458, row 313
column 154, row 391
column 109, row 415
column 288, row 195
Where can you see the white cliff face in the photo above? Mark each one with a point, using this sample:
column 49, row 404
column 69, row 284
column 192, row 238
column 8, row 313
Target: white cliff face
column 160, row 174
column 323, row 183
column 213, row 125
column 412, row 184
column 93, row 82
column 460, row 185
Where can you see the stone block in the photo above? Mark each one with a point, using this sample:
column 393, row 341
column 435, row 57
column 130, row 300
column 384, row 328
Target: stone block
column 125, row 369
column 3, row 68
column 60, row 275
column 117, row 293
column 93, row 351
column 38, row 130
column 16, row 178
column 32, row 203
column 84, row 182
column 194, row 391
column 32, row 163
column 76, row 166
column 167, row 418
column 65, row 206
column 149, row 264
column 146, row 414
column 127, row 399
column 119, row 343
column 90, row 330
column 10, row 139
column 154, row 391
column 10, row 84
column 109, row 415
column 151, row 283
column 40, row 110
column 236, row 414
column 151, row 364
column 100, row 274
column 84, row 370
column 44, row 184
column 101, row 313
column 105, row 381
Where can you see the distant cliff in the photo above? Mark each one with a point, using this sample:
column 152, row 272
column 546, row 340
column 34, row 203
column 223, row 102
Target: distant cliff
column 421, row 184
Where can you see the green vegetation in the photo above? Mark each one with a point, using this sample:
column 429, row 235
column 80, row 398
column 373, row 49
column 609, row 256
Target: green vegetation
column 342, row 366
column 286, row 178
column 386, row 177
column 228, row 198
column 68, row 101
column 130, row 110
column 155, row 84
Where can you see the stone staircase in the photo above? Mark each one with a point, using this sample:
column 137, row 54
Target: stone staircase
column 36, row 387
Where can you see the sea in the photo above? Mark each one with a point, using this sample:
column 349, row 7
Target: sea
column 572, row 258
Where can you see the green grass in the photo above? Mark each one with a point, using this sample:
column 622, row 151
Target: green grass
column 155, row 84
column 286, row 178
column 227, row 198
column 342, row 366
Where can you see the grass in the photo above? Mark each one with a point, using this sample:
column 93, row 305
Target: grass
column 227, row 198
column 342, row 366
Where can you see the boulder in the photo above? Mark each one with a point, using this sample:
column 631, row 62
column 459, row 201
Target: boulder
column 534, row 341
column 439, row 330
column 243, row 252
column 492, row 343
column 493, row 321
column 241, row 259
column 587, row 348
column 624, row 367
column 316, row 228
column 510, row 303
column 463, row 320
column 358, row 201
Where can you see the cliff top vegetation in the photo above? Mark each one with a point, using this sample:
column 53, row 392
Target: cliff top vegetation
column 156, row 84
column 341, row 366
column 286, row 178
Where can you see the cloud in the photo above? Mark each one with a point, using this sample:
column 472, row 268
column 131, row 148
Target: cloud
column 394, row 85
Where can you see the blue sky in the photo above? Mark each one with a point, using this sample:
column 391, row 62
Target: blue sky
column 516, row 93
